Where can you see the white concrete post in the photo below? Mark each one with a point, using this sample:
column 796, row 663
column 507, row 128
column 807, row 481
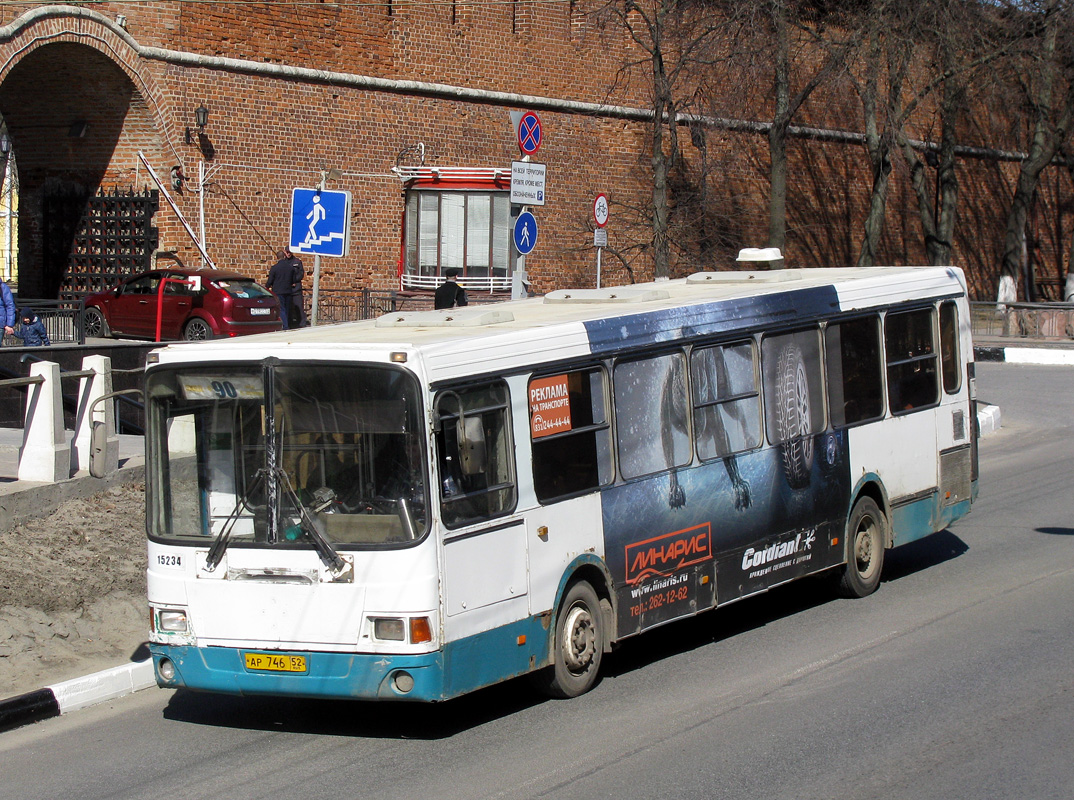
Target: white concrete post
column 90, row 390
column 45, row 454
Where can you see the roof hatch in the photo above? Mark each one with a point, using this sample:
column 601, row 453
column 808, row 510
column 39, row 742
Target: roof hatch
column 469, row 317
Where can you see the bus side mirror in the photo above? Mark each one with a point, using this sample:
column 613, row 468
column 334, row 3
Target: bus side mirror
column 470, row 434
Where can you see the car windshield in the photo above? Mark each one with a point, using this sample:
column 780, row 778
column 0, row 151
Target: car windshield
column 258, row 452
column 243, row 288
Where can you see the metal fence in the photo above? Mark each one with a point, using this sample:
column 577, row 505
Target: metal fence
column 62, row 320
column 340, row 306
column 1024, row 320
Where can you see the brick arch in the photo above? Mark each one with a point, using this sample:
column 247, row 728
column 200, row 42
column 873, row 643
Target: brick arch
column 77, row 111
column 48, row 25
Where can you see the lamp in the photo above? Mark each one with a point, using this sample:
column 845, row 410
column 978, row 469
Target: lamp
column 201, row 119
column 5, row 143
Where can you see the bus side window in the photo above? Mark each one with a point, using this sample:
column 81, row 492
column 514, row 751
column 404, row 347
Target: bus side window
column 572, row 448
column 727, row 401
column 913, row 371
column 794, row 399
column 652, row 424
column 465, row 495
column 949, row 354
column 855, row 371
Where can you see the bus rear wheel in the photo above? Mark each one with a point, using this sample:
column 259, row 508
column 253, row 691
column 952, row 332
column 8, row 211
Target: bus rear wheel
column 866, row 537
column 578, row 647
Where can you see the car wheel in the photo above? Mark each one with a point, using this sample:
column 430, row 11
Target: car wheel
column 94, row 324
column 197, row 330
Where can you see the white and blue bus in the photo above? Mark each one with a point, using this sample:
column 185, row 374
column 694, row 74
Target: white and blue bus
column 421, row 505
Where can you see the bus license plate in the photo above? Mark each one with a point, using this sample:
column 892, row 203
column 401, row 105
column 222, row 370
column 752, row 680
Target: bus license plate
column 273, row 662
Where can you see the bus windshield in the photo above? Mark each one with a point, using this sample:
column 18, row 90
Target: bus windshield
column 260, row 454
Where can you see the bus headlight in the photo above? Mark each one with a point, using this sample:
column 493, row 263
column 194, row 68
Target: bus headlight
column 388, row 629
column 172, row 621
column 395, row 629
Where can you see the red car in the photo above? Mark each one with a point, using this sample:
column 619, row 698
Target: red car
column 228, row 304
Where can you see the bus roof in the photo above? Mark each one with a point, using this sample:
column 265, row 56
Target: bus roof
column 567, row 324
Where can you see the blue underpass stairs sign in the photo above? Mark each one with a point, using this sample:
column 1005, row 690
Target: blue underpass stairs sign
column 320, row 222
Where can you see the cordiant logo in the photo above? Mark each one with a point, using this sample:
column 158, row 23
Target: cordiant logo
column 752, row 558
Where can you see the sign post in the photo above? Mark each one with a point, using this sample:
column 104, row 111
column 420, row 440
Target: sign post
column 600, row 235
column 320, row 224
column 527, row 189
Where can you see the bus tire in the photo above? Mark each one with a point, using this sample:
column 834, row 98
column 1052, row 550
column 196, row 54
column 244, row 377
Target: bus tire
column 578, row 646
column 793, row 416
column 866, row 536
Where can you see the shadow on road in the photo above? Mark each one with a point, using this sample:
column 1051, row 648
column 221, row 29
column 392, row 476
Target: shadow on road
column 393, row 720
column 1057, row 531
column 389, row 720
column 922, row 554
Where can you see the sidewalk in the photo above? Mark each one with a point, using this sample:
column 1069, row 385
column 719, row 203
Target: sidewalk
column 22, row 500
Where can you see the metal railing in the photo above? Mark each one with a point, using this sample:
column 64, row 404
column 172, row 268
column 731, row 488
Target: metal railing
column 1023, row 320
column 130, row 423
column 49, row 453
column 62, row 320
column 343, row 306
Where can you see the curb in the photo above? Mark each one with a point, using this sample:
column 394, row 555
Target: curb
column 77, row 693
column 1057, row 357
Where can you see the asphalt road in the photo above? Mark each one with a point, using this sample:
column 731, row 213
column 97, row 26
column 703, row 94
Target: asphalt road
column 953, row 680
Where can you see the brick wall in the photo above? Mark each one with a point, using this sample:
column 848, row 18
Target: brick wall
column 268, row 134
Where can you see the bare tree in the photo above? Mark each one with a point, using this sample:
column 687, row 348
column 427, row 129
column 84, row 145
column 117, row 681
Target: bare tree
column 1045, row 76
column 964, row 40
column 801, row 45
column 676, row 41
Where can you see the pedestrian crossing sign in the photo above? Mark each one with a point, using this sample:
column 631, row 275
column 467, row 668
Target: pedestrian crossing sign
column 320, row 222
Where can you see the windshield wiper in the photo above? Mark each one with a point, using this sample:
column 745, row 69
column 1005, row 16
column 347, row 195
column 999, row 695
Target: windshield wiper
column 312, row 526
column 216, row 552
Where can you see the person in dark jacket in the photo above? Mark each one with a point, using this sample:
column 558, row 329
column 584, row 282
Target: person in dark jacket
column 32, row 330
column 281, row 282
column 449, row 294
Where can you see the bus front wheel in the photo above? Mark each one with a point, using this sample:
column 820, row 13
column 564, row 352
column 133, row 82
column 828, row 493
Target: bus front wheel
column 579, row 644
column 865, row 540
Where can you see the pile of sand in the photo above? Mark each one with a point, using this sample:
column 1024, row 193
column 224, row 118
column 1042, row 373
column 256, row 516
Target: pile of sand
column 72, row 591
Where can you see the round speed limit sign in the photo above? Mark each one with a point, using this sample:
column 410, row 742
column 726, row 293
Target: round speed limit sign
column 600, row 210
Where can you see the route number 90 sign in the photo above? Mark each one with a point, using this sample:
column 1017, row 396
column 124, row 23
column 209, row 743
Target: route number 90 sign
column 600, row 210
